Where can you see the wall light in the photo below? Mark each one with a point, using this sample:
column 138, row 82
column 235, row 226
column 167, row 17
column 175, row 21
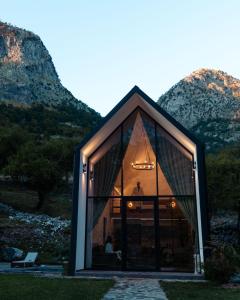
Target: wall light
column 130, row 204
column 84, row 169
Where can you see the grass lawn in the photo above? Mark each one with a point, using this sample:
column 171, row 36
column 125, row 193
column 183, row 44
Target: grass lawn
column 198, row 290
column 25, row 287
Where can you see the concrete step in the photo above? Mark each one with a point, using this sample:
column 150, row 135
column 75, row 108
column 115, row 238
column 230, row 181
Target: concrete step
column 131, row 274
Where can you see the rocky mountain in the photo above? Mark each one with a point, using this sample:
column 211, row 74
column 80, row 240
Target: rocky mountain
column 207, row 102
column 27, row 73
column 31, row 94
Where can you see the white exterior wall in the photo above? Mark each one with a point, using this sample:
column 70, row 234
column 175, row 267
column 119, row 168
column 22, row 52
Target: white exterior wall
column 81, row 219
column 199, row 219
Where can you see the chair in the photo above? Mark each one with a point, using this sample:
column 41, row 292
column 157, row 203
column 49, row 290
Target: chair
column 27, row 262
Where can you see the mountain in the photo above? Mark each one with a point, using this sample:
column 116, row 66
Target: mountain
column 207, row 102
column 27, row 73
column 28, row 78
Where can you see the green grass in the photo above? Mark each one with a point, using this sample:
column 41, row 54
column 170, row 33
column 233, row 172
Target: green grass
column 19, row 287
column 198, row 291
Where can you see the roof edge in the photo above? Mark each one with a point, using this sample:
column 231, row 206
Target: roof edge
column 137, row 90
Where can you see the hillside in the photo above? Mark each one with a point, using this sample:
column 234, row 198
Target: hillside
column 30, row 89
column 27, row 73
column 207, row 102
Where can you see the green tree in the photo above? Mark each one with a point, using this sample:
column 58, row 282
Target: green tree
column 223, row 177
column 61, row 151
column 11, row 139
column 36, row 169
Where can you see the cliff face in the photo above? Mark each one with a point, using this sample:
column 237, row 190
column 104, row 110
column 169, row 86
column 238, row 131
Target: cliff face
column 27, row 73
column 207, row 102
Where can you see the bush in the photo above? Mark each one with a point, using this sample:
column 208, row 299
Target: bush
column 222, row 264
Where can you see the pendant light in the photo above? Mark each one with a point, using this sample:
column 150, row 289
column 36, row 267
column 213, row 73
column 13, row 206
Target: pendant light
column 146, row 164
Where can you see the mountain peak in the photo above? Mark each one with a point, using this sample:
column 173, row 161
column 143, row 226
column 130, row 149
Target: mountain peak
column 12, row 44
column 207, row 102
column 215, row 80
column 205, row 72
column 27, row 73
column 23, row 52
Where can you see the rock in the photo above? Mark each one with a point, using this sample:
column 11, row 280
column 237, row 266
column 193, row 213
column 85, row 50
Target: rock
column 224, row 229
column 10, row 253
column 235, row 278
column 207, row 102
column 42, row 220
column 27, row 73
column 41, row 233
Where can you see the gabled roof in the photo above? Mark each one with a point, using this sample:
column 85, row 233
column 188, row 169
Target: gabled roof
column 137, row 90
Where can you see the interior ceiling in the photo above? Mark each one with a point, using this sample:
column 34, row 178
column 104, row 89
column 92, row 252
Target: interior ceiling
column 139, row 150
column 135, row 101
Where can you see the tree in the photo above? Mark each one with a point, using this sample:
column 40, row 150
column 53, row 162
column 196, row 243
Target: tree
column 11, row 139
column 40, row 173
column 61, row 151
column 223, row 177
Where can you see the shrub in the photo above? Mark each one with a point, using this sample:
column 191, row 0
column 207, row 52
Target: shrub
column 222, row 264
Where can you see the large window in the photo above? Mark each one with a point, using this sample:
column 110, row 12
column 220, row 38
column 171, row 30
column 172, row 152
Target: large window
column 140, row 158
column 104, row 227
column 139, row 146
column 141, row 207
column 176, row 165
column 105, row 168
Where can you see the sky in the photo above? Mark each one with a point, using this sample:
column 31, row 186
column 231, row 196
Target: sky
column 102, row 48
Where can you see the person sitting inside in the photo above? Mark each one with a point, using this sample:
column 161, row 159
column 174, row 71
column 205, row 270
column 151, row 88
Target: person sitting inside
column 109, row 248
column 108, row 245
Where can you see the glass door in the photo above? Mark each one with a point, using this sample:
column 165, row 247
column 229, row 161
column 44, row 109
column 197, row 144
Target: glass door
column 140, row 241
column 176, row 240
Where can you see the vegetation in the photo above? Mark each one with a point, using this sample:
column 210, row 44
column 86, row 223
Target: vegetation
column 199, row 291
column 38, row 152
column 36, row 161
column 223, row 177
column 10, row 141
column 45, row 121
column 222, row 265
column 37, row 142
column 22, row 198
column 42, row 166
column 28, row 287
column 41, row 173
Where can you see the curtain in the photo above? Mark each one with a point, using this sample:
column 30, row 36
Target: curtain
column 108, row 166
column 188, row 207
column 105, row 174
column 176, row 164
column 177, row 167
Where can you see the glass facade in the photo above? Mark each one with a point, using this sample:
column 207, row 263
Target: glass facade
column 139, row 146
column 141, row 208
column 140, row 242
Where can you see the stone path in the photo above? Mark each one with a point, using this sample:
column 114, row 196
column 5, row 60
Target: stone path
column 135, row 289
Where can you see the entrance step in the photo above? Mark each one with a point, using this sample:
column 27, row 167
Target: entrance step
column 130, row 274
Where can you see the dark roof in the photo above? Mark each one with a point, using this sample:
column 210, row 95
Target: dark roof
column 137, row 90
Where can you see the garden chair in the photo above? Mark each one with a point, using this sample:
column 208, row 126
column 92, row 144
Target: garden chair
column 28, row 261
